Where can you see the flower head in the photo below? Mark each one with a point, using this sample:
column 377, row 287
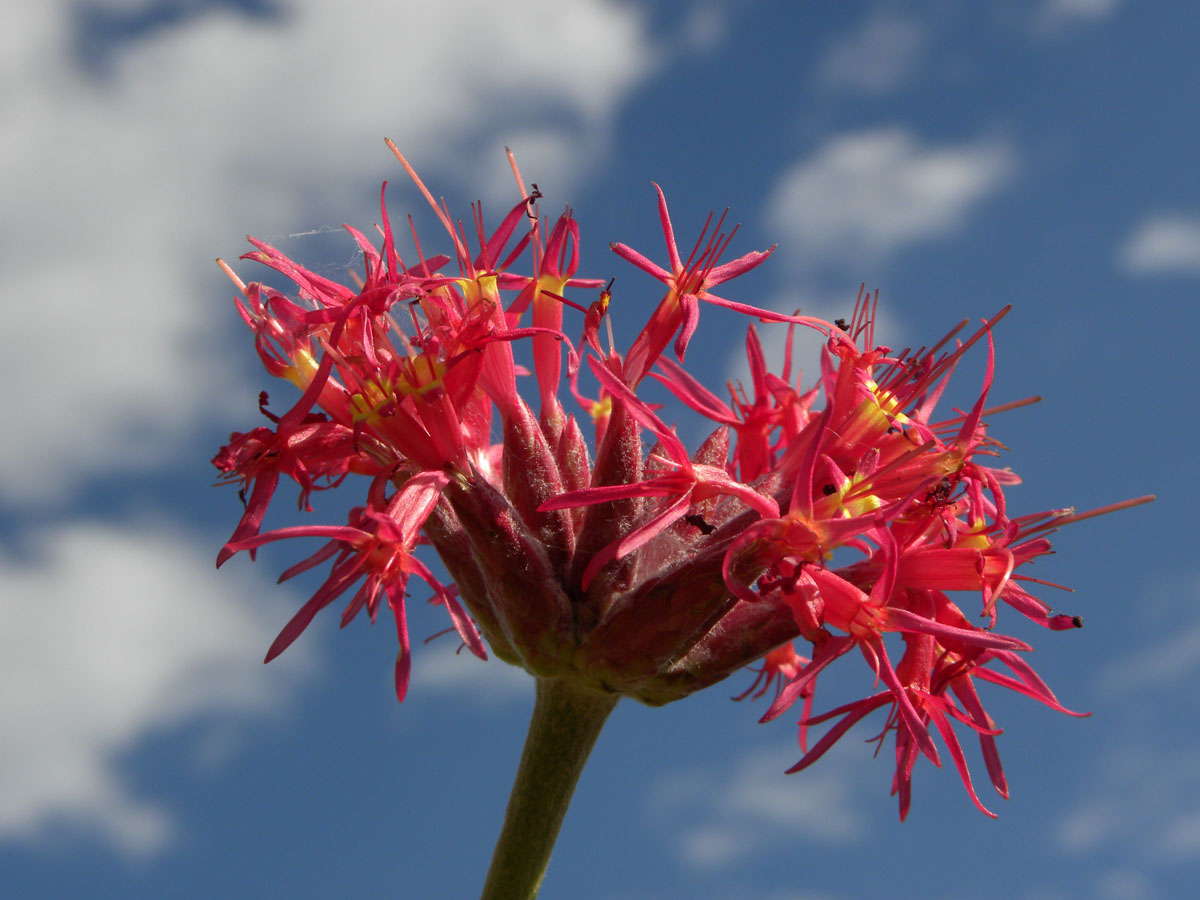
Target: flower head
column 844, row 515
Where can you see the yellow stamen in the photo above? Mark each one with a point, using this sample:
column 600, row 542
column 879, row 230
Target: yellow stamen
column 601, row 409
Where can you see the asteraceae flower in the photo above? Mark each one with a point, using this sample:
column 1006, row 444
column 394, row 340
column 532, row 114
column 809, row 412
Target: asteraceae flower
column 844, row 515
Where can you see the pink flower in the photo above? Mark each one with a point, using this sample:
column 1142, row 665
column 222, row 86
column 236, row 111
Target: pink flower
column 377, row 546
column 688, row 282
column 844, row 515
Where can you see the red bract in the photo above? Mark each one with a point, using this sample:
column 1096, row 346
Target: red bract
column 844, row 514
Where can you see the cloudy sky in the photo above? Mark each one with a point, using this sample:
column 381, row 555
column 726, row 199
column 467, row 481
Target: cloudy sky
column 958, row 156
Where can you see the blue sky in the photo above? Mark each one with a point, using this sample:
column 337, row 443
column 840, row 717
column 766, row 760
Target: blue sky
column 958, row 156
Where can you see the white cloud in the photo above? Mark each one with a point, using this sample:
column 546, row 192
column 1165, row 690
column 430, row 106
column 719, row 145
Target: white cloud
column 875, row 58
column 754, row 807
column 120, row 189
column 1140, row 805
column 1123, row 884
column 107, row 637
column 1166, row 657
column 1163, row 243
column 1181, row 835
column 703, row 27
column 1139, row 796
column 1156, row 666
column 1089, row 825
column 864, row 196
column 442, row 670
column 714, row 846
column 1054, row 15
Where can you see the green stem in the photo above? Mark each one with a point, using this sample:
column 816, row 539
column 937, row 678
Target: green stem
column 566, row 722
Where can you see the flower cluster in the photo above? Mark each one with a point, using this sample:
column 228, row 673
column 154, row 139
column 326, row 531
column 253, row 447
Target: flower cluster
column 839, row 514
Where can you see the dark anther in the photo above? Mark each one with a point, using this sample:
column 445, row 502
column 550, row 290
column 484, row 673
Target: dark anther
column 828, row 489
column 1077, row 621
column 696, row 520
column 530, row 211
column 940, row 492
column 842, row 324
column 262, row 407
